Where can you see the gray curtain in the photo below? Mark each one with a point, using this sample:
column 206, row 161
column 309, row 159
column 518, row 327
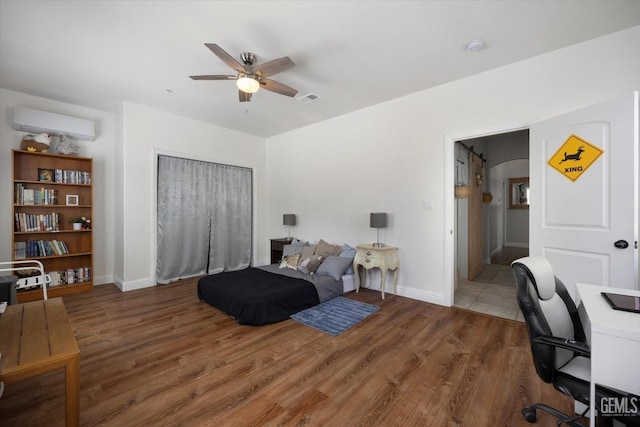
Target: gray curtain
column 204, row 218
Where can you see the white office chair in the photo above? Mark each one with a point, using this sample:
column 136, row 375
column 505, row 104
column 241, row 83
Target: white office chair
column 558, row 345
column 39, row 280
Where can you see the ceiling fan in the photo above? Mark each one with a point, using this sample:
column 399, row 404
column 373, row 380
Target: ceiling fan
column 250, row 78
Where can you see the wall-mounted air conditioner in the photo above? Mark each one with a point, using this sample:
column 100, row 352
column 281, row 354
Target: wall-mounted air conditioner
column 37, row 121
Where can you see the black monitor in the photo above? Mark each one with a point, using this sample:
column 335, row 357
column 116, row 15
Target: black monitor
column 8, row 289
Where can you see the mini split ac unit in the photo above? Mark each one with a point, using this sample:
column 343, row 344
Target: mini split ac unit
column 36, row 121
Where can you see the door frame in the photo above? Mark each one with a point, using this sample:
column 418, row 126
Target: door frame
column 450, row 229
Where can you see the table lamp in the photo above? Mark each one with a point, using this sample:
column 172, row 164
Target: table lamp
column 289, row 220
column 378, row 220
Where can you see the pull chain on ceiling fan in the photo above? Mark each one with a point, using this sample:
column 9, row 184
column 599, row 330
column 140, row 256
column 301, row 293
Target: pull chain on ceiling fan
column 249, row 78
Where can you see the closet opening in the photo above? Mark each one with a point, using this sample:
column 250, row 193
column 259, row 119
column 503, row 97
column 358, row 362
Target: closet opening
column 204, row 218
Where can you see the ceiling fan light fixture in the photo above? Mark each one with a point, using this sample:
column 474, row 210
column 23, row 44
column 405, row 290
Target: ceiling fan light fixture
column 249, row 78
column 247, row 83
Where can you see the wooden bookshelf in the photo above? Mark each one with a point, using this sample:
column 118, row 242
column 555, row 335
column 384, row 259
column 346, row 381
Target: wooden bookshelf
column 44, row 217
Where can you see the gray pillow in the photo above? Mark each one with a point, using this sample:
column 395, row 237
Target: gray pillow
column 348, row 252
column 334, row 266
column 295, row 247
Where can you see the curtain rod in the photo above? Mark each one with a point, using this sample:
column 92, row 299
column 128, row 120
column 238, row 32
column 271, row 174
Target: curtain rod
column 471, row 150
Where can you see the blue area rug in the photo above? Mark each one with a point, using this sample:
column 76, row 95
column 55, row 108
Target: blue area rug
column 336, row 315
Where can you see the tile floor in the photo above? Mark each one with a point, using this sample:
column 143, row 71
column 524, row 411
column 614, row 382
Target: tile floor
column 494, row 290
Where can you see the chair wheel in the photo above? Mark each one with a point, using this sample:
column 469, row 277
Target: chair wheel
column 529, row 415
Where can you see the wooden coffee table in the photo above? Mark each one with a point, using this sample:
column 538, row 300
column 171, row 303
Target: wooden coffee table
column 36, row 337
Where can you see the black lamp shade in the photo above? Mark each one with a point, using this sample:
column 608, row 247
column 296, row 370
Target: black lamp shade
column 378, row 220
column 289, row 219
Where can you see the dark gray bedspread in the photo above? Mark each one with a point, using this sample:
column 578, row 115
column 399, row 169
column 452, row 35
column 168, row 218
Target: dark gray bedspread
column 268, row 294
column 326, row 286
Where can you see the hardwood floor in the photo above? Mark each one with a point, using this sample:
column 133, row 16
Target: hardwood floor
column 158, row 356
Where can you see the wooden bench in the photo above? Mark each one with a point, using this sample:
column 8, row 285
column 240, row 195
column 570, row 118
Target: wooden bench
column 36, row 337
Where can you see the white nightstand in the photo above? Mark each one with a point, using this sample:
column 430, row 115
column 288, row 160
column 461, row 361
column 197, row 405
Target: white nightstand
column 385, row 258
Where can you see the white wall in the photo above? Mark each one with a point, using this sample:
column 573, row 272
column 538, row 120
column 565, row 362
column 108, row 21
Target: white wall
column 102, row 151
column 516, row 221
column 391, row 157
column 124, row 179
column 387, row 158
column 147, row 132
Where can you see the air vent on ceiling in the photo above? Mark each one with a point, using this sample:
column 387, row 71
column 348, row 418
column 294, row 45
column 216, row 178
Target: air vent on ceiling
column 310, row 97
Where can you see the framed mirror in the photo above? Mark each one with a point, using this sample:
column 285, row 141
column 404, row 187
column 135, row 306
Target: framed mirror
column 519, row 193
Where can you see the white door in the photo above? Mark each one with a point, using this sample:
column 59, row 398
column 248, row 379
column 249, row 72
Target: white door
column 584, row 201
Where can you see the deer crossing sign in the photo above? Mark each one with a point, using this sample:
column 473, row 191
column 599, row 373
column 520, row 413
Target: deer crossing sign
column 574, row 157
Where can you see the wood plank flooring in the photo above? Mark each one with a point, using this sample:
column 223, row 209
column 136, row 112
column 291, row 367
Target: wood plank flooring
column 159, row 356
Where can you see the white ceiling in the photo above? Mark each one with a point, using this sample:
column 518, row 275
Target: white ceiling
column 352, row 54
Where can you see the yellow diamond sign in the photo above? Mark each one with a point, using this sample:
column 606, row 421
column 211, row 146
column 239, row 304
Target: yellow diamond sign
column 574, row 157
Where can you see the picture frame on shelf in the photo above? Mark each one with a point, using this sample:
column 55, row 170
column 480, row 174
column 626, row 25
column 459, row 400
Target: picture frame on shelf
column 46, row 175
column 72, row 200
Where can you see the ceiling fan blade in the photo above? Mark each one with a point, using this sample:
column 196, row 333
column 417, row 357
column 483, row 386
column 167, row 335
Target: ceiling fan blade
column 244, row 96
column 226, row 58
column 214, row 77
column 277, row 87
column 274, row 67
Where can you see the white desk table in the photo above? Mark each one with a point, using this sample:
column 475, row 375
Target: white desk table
column 614, row 338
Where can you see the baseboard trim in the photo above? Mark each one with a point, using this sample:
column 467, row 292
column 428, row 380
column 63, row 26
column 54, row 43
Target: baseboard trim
column 103, row 280
column 517, row 245
column 133, row 285
column 430, row 297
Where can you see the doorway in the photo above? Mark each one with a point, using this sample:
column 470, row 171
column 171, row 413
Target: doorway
column 503, row 237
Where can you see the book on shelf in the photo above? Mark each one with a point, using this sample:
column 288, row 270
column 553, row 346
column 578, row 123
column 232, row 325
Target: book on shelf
column 39, row 248
column 67, row 277
column 70, row 276
column 29, row 196
column 17, row 193
column 25, row 222
column 46, row 196
column 20, row 250
column 72, row 176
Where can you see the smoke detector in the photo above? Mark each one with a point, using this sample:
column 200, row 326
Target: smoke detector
column 475, row 45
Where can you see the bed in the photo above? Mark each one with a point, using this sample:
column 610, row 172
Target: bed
column 272, row 293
